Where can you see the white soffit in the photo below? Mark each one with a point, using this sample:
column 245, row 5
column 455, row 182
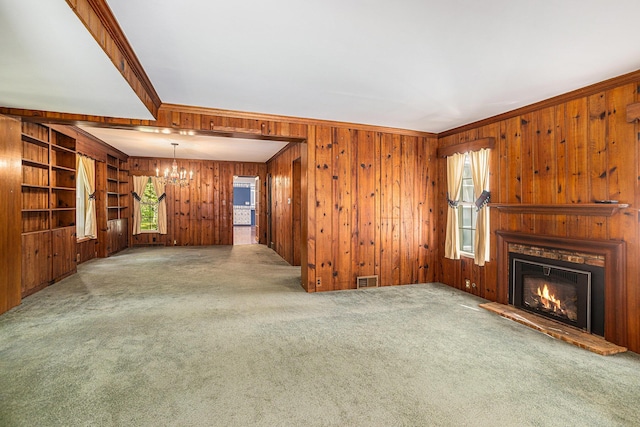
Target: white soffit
column 428, row 65
column 49, row 61
column 196, row 147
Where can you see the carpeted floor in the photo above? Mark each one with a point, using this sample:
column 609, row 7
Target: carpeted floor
column 237, row 342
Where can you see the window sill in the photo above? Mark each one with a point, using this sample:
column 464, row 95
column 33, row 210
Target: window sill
column 467, row 255
column 149, row 232
column 85, row 239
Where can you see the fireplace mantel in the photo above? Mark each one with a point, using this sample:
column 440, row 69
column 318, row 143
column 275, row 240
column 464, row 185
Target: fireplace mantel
column 614, row 253
column 587, row 209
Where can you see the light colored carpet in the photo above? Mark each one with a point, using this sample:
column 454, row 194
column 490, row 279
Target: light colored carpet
column 237, row 342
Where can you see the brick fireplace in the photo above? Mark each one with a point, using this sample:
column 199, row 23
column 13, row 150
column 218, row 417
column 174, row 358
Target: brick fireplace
column 541, row 255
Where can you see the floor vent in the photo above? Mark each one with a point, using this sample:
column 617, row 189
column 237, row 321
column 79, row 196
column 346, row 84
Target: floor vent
column 364, row 282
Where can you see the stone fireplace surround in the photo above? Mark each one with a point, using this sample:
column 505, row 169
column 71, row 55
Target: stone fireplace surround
column 611, row 254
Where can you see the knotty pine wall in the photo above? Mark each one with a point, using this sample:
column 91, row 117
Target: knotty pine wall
column 281, row 170
column 368, row 192
column 577, row 151
column 202, row 213
column 370, row 207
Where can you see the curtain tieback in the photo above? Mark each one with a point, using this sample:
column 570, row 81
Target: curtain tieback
column 162, row 197
column 482, row 201
column 135, row 196
column 92, row 196
column 453, row 204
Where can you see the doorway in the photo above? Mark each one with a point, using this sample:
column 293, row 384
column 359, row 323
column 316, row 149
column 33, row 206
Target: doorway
column 246, row 210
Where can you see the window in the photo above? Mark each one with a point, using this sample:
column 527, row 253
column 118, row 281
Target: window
column 149, row 208
column 467, row 212
column 81, row 197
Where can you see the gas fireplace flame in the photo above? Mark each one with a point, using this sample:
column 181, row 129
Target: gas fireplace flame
column 549, row 301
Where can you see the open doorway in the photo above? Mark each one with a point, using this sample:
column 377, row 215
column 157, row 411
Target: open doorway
column 245, row 210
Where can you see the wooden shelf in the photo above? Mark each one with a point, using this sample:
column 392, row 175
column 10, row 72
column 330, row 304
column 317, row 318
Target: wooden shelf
column 61, row 148
column 42, row 187
column 35, row 164
column 36, row 141
column 63, row 168
column 586, row 209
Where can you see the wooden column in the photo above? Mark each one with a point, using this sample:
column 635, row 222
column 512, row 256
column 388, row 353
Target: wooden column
column 10, row 217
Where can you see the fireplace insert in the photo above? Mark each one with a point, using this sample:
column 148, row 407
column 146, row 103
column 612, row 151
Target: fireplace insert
column 563, row 291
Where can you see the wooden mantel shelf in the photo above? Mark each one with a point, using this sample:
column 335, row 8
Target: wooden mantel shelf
column 587, row 209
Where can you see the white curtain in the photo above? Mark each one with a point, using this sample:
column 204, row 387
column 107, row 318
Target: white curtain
column 159, row 187
column 139, row 183
column 455, row 165
column 480, row 175
column 90, row 226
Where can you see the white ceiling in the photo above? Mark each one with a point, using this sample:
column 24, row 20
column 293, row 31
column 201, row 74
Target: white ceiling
column 50, row 62
column 426, row 65
column 147, row 143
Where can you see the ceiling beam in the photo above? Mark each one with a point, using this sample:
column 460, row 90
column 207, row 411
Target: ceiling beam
column 103, row 26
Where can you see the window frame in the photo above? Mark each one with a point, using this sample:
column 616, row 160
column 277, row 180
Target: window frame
column 470, row 205
column 152, row 203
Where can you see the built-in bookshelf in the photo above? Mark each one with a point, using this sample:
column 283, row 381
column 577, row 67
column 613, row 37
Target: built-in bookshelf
column 48, row 205
column 117, row 188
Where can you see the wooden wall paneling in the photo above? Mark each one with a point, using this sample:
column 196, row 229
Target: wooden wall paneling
column 544, row 173
column 513, row 170
column 296, row 219
column 429, row 178
column 309, row 273
column 598, row 163
column 217, row 208
column 407, row 208
column 489, row 273
column 528, row 129
column 385, row 269
column 577, row 118
column 622, row 168
column 590, row 153
column 633, row 288
column 396, row 210
column 377, row 155
column 447, row 267
column 323, row 209
column 304, row 213
column 364, row 259
column 342, row 225
column 560, row 190
column 10, row 212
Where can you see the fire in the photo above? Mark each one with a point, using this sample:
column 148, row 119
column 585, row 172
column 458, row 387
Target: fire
column 549, row 301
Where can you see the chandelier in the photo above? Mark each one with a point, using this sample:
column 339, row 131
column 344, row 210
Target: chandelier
column 175, row 176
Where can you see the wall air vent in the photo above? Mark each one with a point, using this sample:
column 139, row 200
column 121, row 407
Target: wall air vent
column 364, row 282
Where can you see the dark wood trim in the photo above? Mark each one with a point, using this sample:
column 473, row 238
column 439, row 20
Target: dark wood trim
column 291, row 119
column 614, row 253
column 624, row 79
column 465, row 147
column 633, row 112
column 586, row 209
column 108, row 33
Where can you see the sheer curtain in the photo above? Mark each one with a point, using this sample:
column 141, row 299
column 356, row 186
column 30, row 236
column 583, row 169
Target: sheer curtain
column 455, row 164
column 480, row 174
column 139, row 182
column 159, row 187
column 90, row 226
